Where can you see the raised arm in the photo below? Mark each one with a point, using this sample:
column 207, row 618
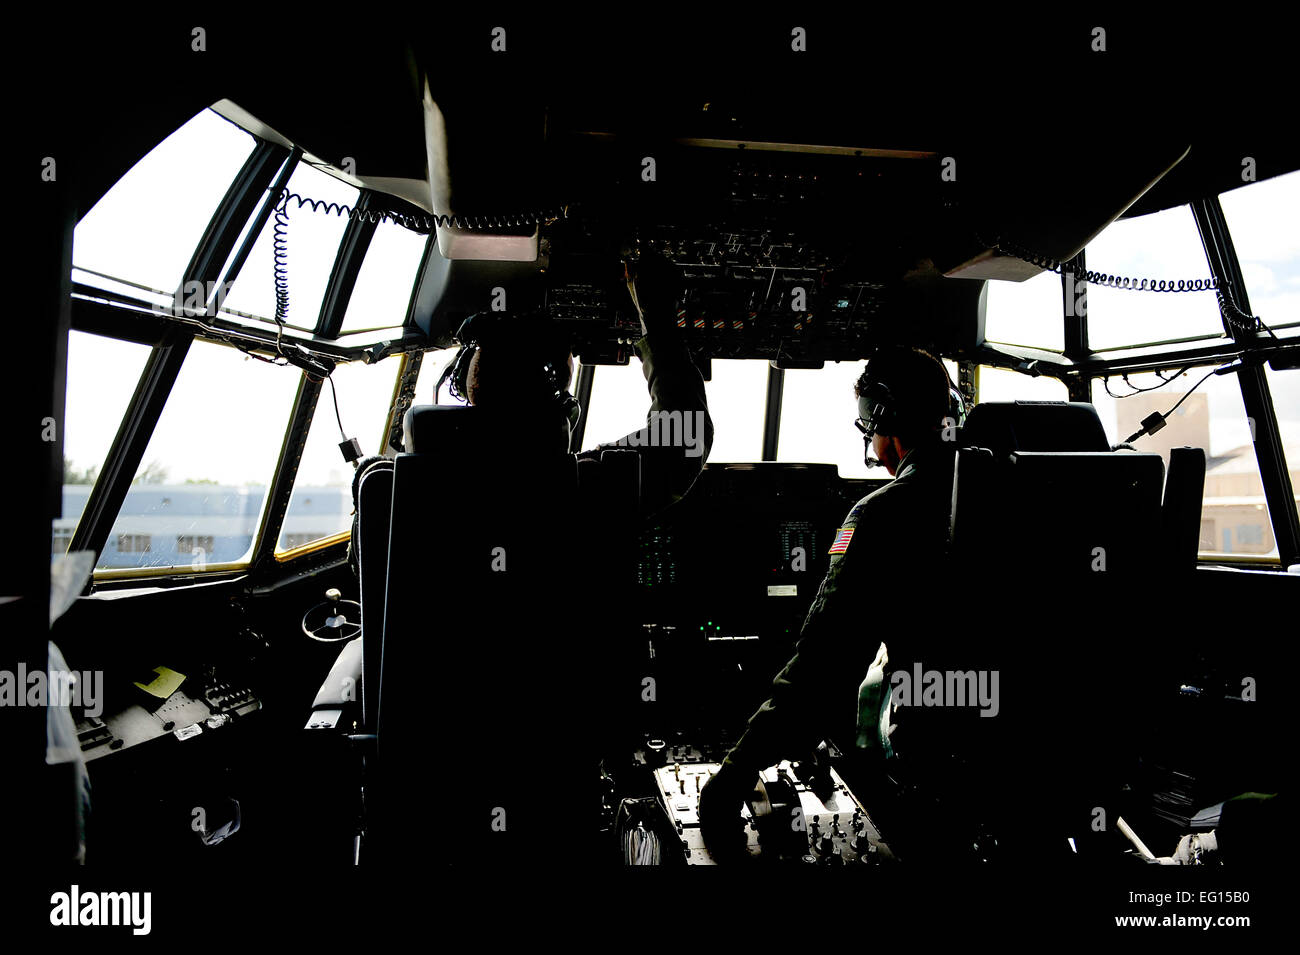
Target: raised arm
column 678, row 434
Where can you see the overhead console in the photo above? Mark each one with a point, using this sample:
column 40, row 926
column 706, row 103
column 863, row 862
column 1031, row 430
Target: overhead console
column 806, row 246
column 797, row 257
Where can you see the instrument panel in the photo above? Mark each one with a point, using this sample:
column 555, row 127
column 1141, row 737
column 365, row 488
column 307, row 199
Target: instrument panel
column 745, row 292
column 787, row 818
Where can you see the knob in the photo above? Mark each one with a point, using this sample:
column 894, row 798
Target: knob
column 333, row 595
column 826, row 844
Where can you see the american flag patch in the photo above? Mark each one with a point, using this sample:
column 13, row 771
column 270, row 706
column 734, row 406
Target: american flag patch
column 841, row 541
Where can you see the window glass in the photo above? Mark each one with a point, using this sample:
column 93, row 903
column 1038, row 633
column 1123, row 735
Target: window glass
column 1162, row 246
column 737, row 398
column 312, row 244
column 146, row 228
column 321, row 502
column 999, row 384
column 207, row 466
column 383, row 289
column 818, row 409
column 1262, row 218
column 431, row 368
column 1234, row 514
column 619, row 403
column 1026, row 313
column 1284, row 386
column 102, row 375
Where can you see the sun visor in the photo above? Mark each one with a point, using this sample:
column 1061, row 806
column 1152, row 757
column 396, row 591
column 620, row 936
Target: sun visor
column 1045, row 203
column 494, row 245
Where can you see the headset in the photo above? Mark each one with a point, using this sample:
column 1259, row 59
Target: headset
column 879, row 411
column 482, row 327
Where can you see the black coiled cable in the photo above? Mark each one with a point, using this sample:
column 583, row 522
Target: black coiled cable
column 1239, row 319
column 416, row 223
column 280, row 245
column 1231, row 313
column 427, row 223
column 1101, row 278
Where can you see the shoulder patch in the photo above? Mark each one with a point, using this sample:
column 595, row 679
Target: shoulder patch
column 842, row 539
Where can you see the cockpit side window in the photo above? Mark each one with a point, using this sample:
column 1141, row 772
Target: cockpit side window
column 1285, row 389
column 434, row 362
column 1026, row 313
column 1162, row 246
column 382, row 293
column 102, row 376
column 321, row 503
column 312, row 244
column 196, row 500
column 1001, row 384
column 139, row 237
column 1264, row 220
column 1234, row 514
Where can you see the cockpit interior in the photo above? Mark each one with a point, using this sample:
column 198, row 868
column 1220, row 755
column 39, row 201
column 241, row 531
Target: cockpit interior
column 305, row 605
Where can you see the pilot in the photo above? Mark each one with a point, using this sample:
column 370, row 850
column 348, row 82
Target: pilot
column 678, row 435
column 887, row 554
column 503, row 359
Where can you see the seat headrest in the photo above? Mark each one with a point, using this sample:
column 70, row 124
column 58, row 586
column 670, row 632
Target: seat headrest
column 1007, row 426
column 456, row 429
column 428, row 428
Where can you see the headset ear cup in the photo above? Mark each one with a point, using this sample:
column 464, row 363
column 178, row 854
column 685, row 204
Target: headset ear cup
column 885, row 419
column 572, row 410
column 956, row 406
column 460, row 372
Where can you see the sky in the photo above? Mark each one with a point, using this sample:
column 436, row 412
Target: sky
column 225, row 419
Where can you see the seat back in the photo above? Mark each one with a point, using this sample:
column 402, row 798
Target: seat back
column 482, row 657
column 1180, row 514
column 1037, row 488
column 1006, row 426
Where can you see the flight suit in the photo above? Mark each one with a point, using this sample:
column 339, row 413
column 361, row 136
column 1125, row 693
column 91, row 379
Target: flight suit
column 886, row 559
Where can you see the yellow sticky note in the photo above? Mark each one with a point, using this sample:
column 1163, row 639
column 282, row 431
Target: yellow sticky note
column 164, row 684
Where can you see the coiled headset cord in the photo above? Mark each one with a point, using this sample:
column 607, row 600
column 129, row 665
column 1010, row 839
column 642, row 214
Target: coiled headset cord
column 1227, row 307
column 415, row 222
